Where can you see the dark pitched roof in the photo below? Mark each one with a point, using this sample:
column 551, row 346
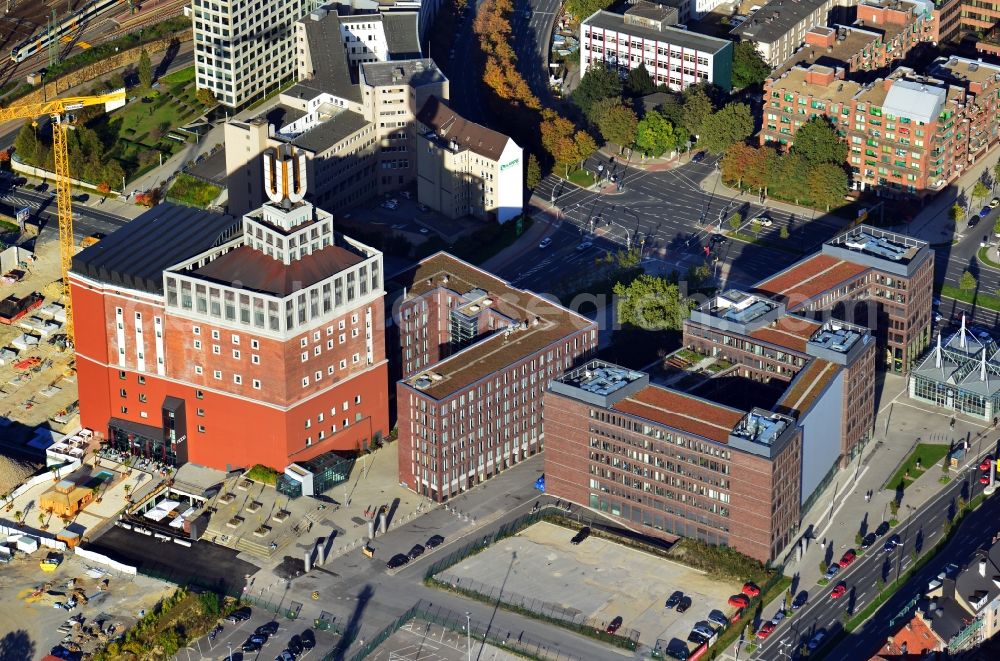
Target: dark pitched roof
column 401, row 34
column 331, row 72
column 136, row 255
column 254, row 270
column 449, row 125
column 325, row 135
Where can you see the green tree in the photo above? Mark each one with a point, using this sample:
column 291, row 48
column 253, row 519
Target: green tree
column 145, row 70
column 730, row 125
column 585, row 146
column 652, row 303
column 735, row 221
column 817, row 141
column 967, row 282
column 980, row 190
column 749, row 68
column 784, row 232
column 639, row 82
column 957, row 212
column 789, row 178
column 533, row 173
column 996, row 171
column 26, row 143
column 696, row 106
column 616, row 121
column 599, row 82
column 206, row 98
column 581, row 9
column 827, row 185
column 654, row 135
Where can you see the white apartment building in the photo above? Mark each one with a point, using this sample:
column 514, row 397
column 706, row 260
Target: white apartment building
column 673, row 56
column 464, row 168
column 243, row 47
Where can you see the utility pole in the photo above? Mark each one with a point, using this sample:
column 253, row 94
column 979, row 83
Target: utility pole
column 52, row 39
column 468, row 633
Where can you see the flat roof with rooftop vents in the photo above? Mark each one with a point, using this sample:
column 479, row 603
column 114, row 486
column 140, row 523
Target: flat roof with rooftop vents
column 887, row 251
column 600, row 383
column 762, row 433
column 738, row 311
column 839, row 342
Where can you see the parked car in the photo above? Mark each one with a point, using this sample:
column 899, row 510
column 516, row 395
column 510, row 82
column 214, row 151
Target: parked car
column 718, row 238
column 434, row 541
column 765, row 630
column 674, row 599
column 267, row 629
column 545, row 243
column 239, row 615
column 800, row 600
column 697, row 638
column 396, row 561
column 831, row 571
column 286, row 655
column 995, row 202
column 765, row 220
column 985, row 211
column 986, row 463
column 259, row 638
column 779, row 615
column 704, row 628
column 684, row 605
column 416, row 551
column 816, row 640
column 973, row 221
column 583, row 534
column 295, row 645
column 584, row 246
column 839, row 590
column 750, row 590
column 615, row 625
column 882, row 529
column 251, row 646
column 698, row 157
column 868, row 540
column 984, row 479
column 308, row 639
column 848, row 558
column 892, row 543
column 739, row 601
column 718, row 618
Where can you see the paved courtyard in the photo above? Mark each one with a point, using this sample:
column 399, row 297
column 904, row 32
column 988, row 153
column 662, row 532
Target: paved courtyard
column 422, row 641
column 597, row 580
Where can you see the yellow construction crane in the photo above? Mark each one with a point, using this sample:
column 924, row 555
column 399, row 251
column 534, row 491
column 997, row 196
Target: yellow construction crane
column 58, row 110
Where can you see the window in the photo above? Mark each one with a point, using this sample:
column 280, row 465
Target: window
column 354, row 332
column 316, row 350
column 236, row 339
column 309, row 423
column 305, row 381
column 197, row 344
column 254, row 344
column 217, row 374
column 123, row 392
column 236, row 354
column 198, row 369
column 201, row 429
column 343, row 338
column 216, row 349
column 201, row 413
column 356, row 358
column 255, row 359
column 342, row 325
column 354, row 318
column 319, row 418
column 237, row 379
column 305, row 356
column 318, row 375
column 329, row 370
column 343, row 364
column 196, row 330
column 316, row 336
column 142, row 397
column 329, row 344
column 303, row 342
column 357, row 399
column 256, row 384
column 329, row 331
column 124, row 409
column 215, row 334
column 142, row 380
column 121, row 375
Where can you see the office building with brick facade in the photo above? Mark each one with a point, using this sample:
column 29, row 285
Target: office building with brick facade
column 908, row 135
column 736, row 456
column 475, row 356
column 231, row 342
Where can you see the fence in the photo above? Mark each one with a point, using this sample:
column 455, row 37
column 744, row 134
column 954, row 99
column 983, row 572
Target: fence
column 521, row 644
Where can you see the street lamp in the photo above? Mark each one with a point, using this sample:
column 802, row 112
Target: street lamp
column 230, row 646
column 468, row 633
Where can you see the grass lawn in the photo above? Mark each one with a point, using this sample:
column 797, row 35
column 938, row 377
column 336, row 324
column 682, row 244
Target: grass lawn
column 581, row 178
column 927, row 454
column 192, row 192
column 984, row 258
column 987, row 301
column 178, row 77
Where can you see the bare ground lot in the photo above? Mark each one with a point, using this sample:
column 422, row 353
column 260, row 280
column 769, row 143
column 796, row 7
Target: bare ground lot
column 597, row 579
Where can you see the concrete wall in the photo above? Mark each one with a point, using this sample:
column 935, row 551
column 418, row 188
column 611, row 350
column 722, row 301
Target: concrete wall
column 105, row 560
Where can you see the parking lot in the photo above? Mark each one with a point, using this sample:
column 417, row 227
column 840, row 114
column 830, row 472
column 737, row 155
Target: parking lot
column 423, row 641
column 233, row 636
column 597, row 580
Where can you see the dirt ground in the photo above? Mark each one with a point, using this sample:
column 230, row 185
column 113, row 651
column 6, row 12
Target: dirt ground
column 36, row 622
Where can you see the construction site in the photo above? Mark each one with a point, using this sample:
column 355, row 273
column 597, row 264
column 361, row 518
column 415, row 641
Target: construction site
column 62, row 599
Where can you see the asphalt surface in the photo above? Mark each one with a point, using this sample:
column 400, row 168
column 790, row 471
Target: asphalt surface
column 86, row 220
column 463, row 69
column 922, row 529
column 532, row 29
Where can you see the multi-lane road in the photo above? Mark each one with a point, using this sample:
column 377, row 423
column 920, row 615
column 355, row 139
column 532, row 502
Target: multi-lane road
column 86, row 220
column 921, row 530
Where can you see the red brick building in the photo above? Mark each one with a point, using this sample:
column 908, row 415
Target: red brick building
column 476, row 356
column 228, row 342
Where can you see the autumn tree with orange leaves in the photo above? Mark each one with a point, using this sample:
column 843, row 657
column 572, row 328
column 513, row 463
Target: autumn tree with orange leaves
column 500, row 72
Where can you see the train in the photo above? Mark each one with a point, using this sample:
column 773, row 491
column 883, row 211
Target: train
column 33, row 45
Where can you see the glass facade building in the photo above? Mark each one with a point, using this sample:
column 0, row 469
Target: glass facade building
column 960, row 374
